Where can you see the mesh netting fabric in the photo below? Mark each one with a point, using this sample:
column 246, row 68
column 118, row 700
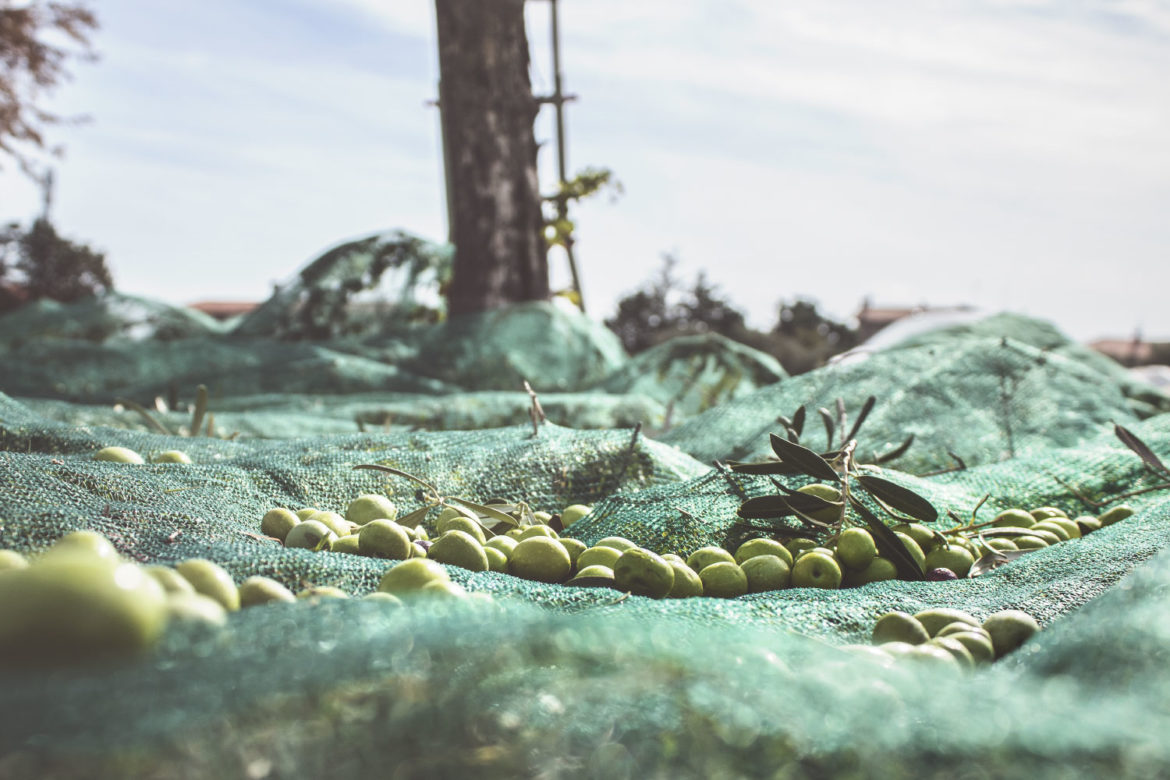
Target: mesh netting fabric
column 984, row 400
column 549, row 680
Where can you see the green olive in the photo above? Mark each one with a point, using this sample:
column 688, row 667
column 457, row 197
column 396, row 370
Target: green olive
column 74, row 608
column 211, row 580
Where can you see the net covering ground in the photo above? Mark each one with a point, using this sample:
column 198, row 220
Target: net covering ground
column 549, row 680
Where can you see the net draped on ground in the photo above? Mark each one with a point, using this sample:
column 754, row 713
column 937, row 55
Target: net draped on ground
column 557, row 681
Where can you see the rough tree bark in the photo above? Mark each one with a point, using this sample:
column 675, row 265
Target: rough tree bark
column 488, row 112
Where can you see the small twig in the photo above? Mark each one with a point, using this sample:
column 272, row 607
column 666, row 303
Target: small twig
column 535, row 411
column 200, row 409
column 173, row 537
column 847, row 449
column 629, row 455
column 960, row 466
column 726, row 472
column 153, row 423
column 1118, row 497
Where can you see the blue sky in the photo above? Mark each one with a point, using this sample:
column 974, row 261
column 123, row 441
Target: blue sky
column 1006, row 153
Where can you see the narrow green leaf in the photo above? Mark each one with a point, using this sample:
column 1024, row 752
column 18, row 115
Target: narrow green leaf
column 798, row 421
column 898, row 497
column 993, row 560
column 830, row 426
column 808, row 461
column 865, row 410
column 888, row 544
column 764, row 467
column 1137, row 445
column 897, row 452
column 1007, row 531
column 200, row 409
column 841, row 419
column 486, row 511
column 764, row 508
column 389, row 470
column 414, row 518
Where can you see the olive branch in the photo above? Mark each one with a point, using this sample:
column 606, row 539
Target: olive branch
column 838, row 465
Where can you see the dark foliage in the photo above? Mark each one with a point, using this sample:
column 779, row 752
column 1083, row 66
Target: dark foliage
column 38, row 263
column 801, row 340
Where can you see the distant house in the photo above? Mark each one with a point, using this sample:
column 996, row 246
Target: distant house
column 1130, row 352
column 223, row 310
column 871, row 319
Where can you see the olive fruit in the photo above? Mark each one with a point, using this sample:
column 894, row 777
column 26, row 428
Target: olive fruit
column 257, row 590
column 118, row 455
column 1009, row 629
column 76, row 607
column 211, row 580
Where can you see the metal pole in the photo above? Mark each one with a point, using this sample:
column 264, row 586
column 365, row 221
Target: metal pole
column 559, row 104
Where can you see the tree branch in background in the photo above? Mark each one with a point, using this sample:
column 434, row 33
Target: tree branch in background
column 32, row 64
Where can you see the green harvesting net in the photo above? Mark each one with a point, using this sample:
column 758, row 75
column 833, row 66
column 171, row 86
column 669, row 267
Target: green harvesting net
column 550, row 680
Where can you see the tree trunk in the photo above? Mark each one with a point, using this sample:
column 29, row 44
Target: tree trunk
column 487, row 113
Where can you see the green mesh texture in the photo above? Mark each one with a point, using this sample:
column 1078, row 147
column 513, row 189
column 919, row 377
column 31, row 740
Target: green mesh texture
column 380, row 283
column 553, row 348
column 983, row 399
column 111, row 317
column 1145, row 399
column 557, row 681
column 691, row 374
column 292, row 415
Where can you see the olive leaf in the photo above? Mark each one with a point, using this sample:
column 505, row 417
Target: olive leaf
column 1137, row 445
column 768, row 507
column 763, row 467
column 897, row 452
column 414, row 518
column 486, row 511
column 866, row 408
column 764, row 508
column 798, row 421
column 807, row 460
column 830, row 426
column 785, row 423
column 898, row 497
column 398, row 472
column 993, row 560
column 1007, row 531
column 888, row 544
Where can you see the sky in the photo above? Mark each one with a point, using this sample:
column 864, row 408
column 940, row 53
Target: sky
column 1006, row 154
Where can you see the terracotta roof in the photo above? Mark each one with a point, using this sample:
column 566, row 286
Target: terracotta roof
column 222, row 310
column 1124, row 350
column 886, row 316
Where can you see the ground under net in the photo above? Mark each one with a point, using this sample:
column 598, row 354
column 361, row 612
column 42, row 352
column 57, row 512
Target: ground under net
column 548, row 680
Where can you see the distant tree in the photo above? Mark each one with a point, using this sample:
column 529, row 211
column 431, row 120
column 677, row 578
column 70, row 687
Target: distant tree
column 488, row 110
column 31, row 66
column 805, row 339
column 645, row 317
column 38, row 263
column 801, row 340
